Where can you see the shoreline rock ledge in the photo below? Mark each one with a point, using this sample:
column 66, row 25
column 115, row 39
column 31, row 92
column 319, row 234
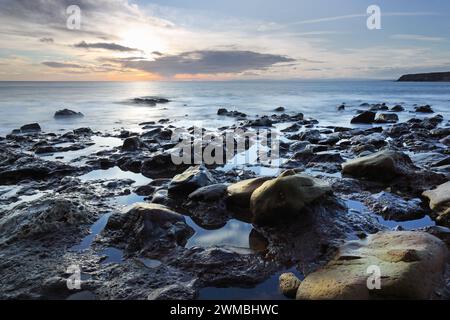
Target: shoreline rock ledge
column 429, row 77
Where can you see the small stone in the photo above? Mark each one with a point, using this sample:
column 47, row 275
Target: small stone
column 289, row 284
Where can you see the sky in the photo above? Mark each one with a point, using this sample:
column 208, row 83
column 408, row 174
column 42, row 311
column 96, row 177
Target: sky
column 180, row 40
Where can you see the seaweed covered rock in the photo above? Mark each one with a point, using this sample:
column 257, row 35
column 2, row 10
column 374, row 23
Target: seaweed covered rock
column 410, row 264
column 382, row 166
column 285, row 196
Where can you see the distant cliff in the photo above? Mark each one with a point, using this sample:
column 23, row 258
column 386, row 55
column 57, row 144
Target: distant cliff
column 435, row 76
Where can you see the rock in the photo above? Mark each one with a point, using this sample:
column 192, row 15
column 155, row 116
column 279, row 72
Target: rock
column 148, row 228
column 440, row 202
column 382, row 166
column 83, row 131
column 239, row 193
column 46, row 217
column 280, row 109
column 386, row 118
column 393, row 207
column 341, row 107
column 260, row 122
column 445, row 141
column 379, row 107
column 432, row 77
column 145, row 190
column 67, row 113
column 159, row 165
column 150, row 101
column 234, row 113
column 131, row 144
column 289, row 284
column 190, row 180
column 209, row 193
column 32, row 127
column 397, row 108
column 177, row 291
column 411, row 266
column 424, row 109
column 364, row 117
column 292, row 128
column 312, row 136
column 285, row 196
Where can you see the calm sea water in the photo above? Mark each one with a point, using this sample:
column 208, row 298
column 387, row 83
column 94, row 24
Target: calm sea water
column 106, row 104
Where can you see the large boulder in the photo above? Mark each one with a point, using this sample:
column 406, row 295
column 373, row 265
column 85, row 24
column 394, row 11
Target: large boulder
column 67, row 113
column 440, row 202
column 382, row 166
column 190, row 180
column 31, row 127
column 365, row 117
column 410, row 266
column 148, row 228
column 131, row 143
column 239, row 193
column 285, row 196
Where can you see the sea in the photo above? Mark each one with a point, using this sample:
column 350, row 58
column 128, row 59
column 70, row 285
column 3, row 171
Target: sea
column 108, row 106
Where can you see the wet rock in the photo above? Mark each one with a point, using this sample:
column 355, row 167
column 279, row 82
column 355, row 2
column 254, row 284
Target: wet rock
column 440, row 232
column 131, row 144
column 312, row 136
column 289, row 284
column 424, row 109
column 365, row 117
column 292, row 128
column 411, row 265
column 32, row 127
column 379, row 107
column 285, row 197
column 280, row 109
column 382, row 166
column 239, row 193
column 144, row 190
column 47, row 217
column 440, row 202
column 83, row 131
column 445, row 141
column 177, row 291
column 160, row 164
column 148, row 228
column 386, row 118
column 150, row 101
column 341, row 107
column 260, row 122
column 393, row 207
column 397, row 108
column 234, row 113
column 212, row 192
column 67, row 113
column 190, row 180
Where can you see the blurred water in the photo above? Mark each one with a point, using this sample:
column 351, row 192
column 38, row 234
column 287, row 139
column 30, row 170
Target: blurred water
column 106, row 105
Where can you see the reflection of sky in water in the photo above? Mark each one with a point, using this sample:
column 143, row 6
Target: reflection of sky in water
column 406, row 225
column 115, row 173
column 100, row 144
column 96, row 228
column 235, row 234
column 267, row 290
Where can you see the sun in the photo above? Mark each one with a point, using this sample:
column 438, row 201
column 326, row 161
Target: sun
column 144, row 39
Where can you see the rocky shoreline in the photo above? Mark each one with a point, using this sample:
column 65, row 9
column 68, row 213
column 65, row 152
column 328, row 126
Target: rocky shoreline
column 337, row 203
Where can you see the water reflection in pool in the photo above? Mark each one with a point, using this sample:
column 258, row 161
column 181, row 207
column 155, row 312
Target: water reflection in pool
column 113, row 174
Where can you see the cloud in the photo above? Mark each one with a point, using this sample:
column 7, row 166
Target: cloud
column 105, row 46
column 46, row 40
column 208, row 62
column 55, row 64
column 416, row 37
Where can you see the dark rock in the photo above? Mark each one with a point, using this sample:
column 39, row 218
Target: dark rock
column 397, row 108
column 32, row 127
column 341, row 107
column 212, row 192
column 280, row 109
column 149, row 229
column 67, row 113
column 430, row 77
column 150, row 101
column 234, row 113
column 131, row 144
column 365, row 117
column 424, row 109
